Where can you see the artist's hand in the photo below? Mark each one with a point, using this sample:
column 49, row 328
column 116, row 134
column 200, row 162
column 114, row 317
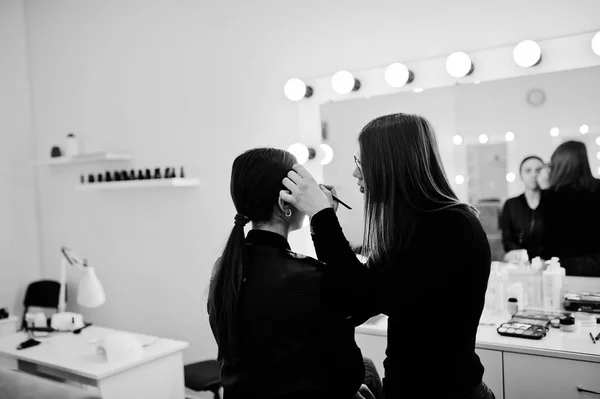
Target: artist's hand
column 304, row 192
column 363, row 393
column 330, row 192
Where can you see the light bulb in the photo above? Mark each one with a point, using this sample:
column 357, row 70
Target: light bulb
column 459, row 179
column 509, row 136
column 457, row 139
column 483, row 138
column 596, row 43
column 300, row 151
column 584, row 129
column 397, row 75
column 598, row 155
column 477, row 82
column 343, row 82
column 294, row 89
column 510, row 177
column 418, row 90
column 327, row 154
column 554, row 132
column 598, row 140
column 527, row 54
column 459, row 65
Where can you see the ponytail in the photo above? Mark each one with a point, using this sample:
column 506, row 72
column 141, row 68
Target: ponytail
column 225, row 293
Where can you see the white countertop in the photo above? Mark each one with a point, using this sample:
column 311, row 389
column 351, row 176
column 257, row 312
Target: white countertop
column 575, row 345
column 77, row 353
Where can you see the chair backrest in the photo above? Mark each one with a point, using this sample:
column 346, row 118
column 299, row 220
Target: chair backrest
column 41, row 294
column 17, row 385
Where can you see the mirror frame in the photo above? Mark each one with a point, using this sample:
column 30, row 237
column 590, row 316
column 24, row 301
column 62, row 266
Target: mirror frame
column 558, row 54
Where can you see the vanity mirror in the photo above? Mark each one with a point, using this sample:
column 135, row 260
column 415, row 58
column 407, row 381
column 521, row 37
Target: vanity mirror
column 485, row 123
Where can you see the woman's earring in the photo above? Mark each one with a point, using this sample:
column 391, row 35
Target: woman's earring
column 288, row 213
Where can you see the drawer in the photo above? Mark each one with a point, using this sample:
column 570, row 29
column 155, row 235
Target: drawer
column 532, row 377
column 492, row 376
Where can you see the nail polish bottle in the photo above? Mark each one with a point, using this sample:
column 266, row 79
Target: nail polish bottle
column 182, row 174
column 117, row 176
column 107, row 177
column 124, row 175
column 82, row 179
column 90, row 178
column 140, row 174
column 148, row 175
column 157, row 173
column 132, row 175
column 100, row 178
column 167, row 173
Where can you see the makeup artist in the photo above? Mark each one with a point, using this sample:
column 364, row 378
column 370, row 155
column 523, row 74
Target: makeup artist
column 572, row 211
column 522, row 215
column 429, row 259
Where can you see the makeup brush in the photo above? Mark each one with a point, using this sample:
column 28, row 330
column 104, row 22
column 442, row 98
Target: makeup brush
column 336, row 199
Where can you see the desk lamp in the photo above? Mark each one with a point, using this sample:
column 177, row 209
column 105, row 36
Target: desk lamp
column 90, row 293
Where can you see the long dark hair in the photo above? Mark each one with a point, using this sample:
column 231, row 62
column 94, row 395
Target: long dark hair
column 570, row 168
column 256, row 180
column 404, row 177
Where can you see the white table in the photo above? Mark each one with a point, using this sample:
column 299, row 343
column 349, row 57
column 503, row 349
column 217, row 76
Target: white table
column 518, row 368
column 74, row 358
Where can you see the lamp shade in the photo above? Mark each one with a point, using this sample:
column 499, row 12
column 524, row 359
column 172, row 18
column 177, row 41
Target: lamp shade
column 90, row 293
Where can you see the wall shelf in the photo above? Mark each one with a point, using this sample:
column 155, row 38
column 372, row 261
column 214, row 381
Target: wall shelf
column 120, row 185
column 86, row 158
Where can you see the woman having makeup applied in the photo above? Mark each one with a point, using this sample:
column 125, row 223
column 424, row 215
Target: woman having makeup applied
column 428, row 259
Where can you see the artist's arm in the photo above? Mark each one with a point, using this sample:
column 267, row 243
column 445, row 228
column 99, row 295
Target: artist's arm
column 509, row 238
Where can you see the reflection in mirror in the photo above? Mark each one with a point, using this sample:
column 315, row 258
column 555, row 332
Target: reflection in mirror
column 484, row 131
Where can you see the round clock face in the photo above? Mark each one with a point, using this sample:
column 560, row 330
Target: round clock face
column 536, row 97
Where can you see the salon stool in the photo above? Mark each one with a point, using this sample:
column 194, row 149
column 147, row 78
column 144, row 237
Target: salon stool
column 203, row 376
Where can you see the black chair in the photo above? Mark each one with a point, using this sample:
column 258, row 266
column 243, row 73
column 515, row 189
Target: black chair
column 203, row 376
column 41, row 294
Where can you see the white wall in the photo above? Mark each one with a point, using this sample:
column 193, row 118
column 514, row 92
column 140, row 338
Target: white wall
column 19, row 256
column 195, row 83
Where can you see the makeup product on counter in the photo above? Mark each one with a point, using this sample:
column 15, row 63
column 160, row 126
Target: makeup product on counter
column 521, row 330
column 513, row 306
column 100, row 177
column 182, row 173
column 157, row 173
column 82, row 179
column 132, row 175
column 55, row 152
column 552, row 282
column 124, row 175
column 90, row 178
column 116, row 176
column 72, row 145
column 140, row 175
column 555, row 323
column 592, row 337
column 107, row 177
column 148, row 175
column 567, row 324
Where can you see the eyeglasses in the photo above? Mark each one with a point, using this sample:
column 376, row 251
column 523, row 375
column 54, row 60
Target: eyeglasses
column 357, row 162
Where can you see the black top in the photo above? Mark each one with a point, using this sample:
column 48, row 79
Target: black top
column 522, row 226
column 572, row 230
column 291, row 345
column 433, row 294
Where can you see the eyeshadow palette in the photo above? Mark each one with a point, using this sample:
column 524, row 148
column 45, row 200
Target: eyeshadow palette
column 522, row 330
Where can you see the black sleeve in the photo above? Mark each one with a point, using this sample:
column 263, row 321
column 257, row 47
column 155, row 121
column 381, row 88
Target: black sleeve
column 509, row 238
column 351, row 287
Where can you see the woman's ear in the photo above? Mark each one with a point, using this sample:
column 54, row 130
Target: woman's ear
column 283, row 206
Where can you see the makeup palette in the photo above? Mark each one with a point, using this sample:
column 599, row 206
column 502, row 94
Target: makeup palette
column 522, row 330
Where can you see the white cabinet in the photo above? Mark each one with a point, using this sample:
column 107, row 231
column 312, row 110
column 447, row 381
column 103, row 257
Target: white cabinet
column 538, row 377
column 493, row 374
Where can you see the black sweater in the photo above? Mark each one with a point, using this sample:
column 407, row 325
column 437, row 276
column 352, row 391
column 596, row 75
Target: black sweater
column 292, row 346
column 522, row 227
column 433, row 293
column 572, row 230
